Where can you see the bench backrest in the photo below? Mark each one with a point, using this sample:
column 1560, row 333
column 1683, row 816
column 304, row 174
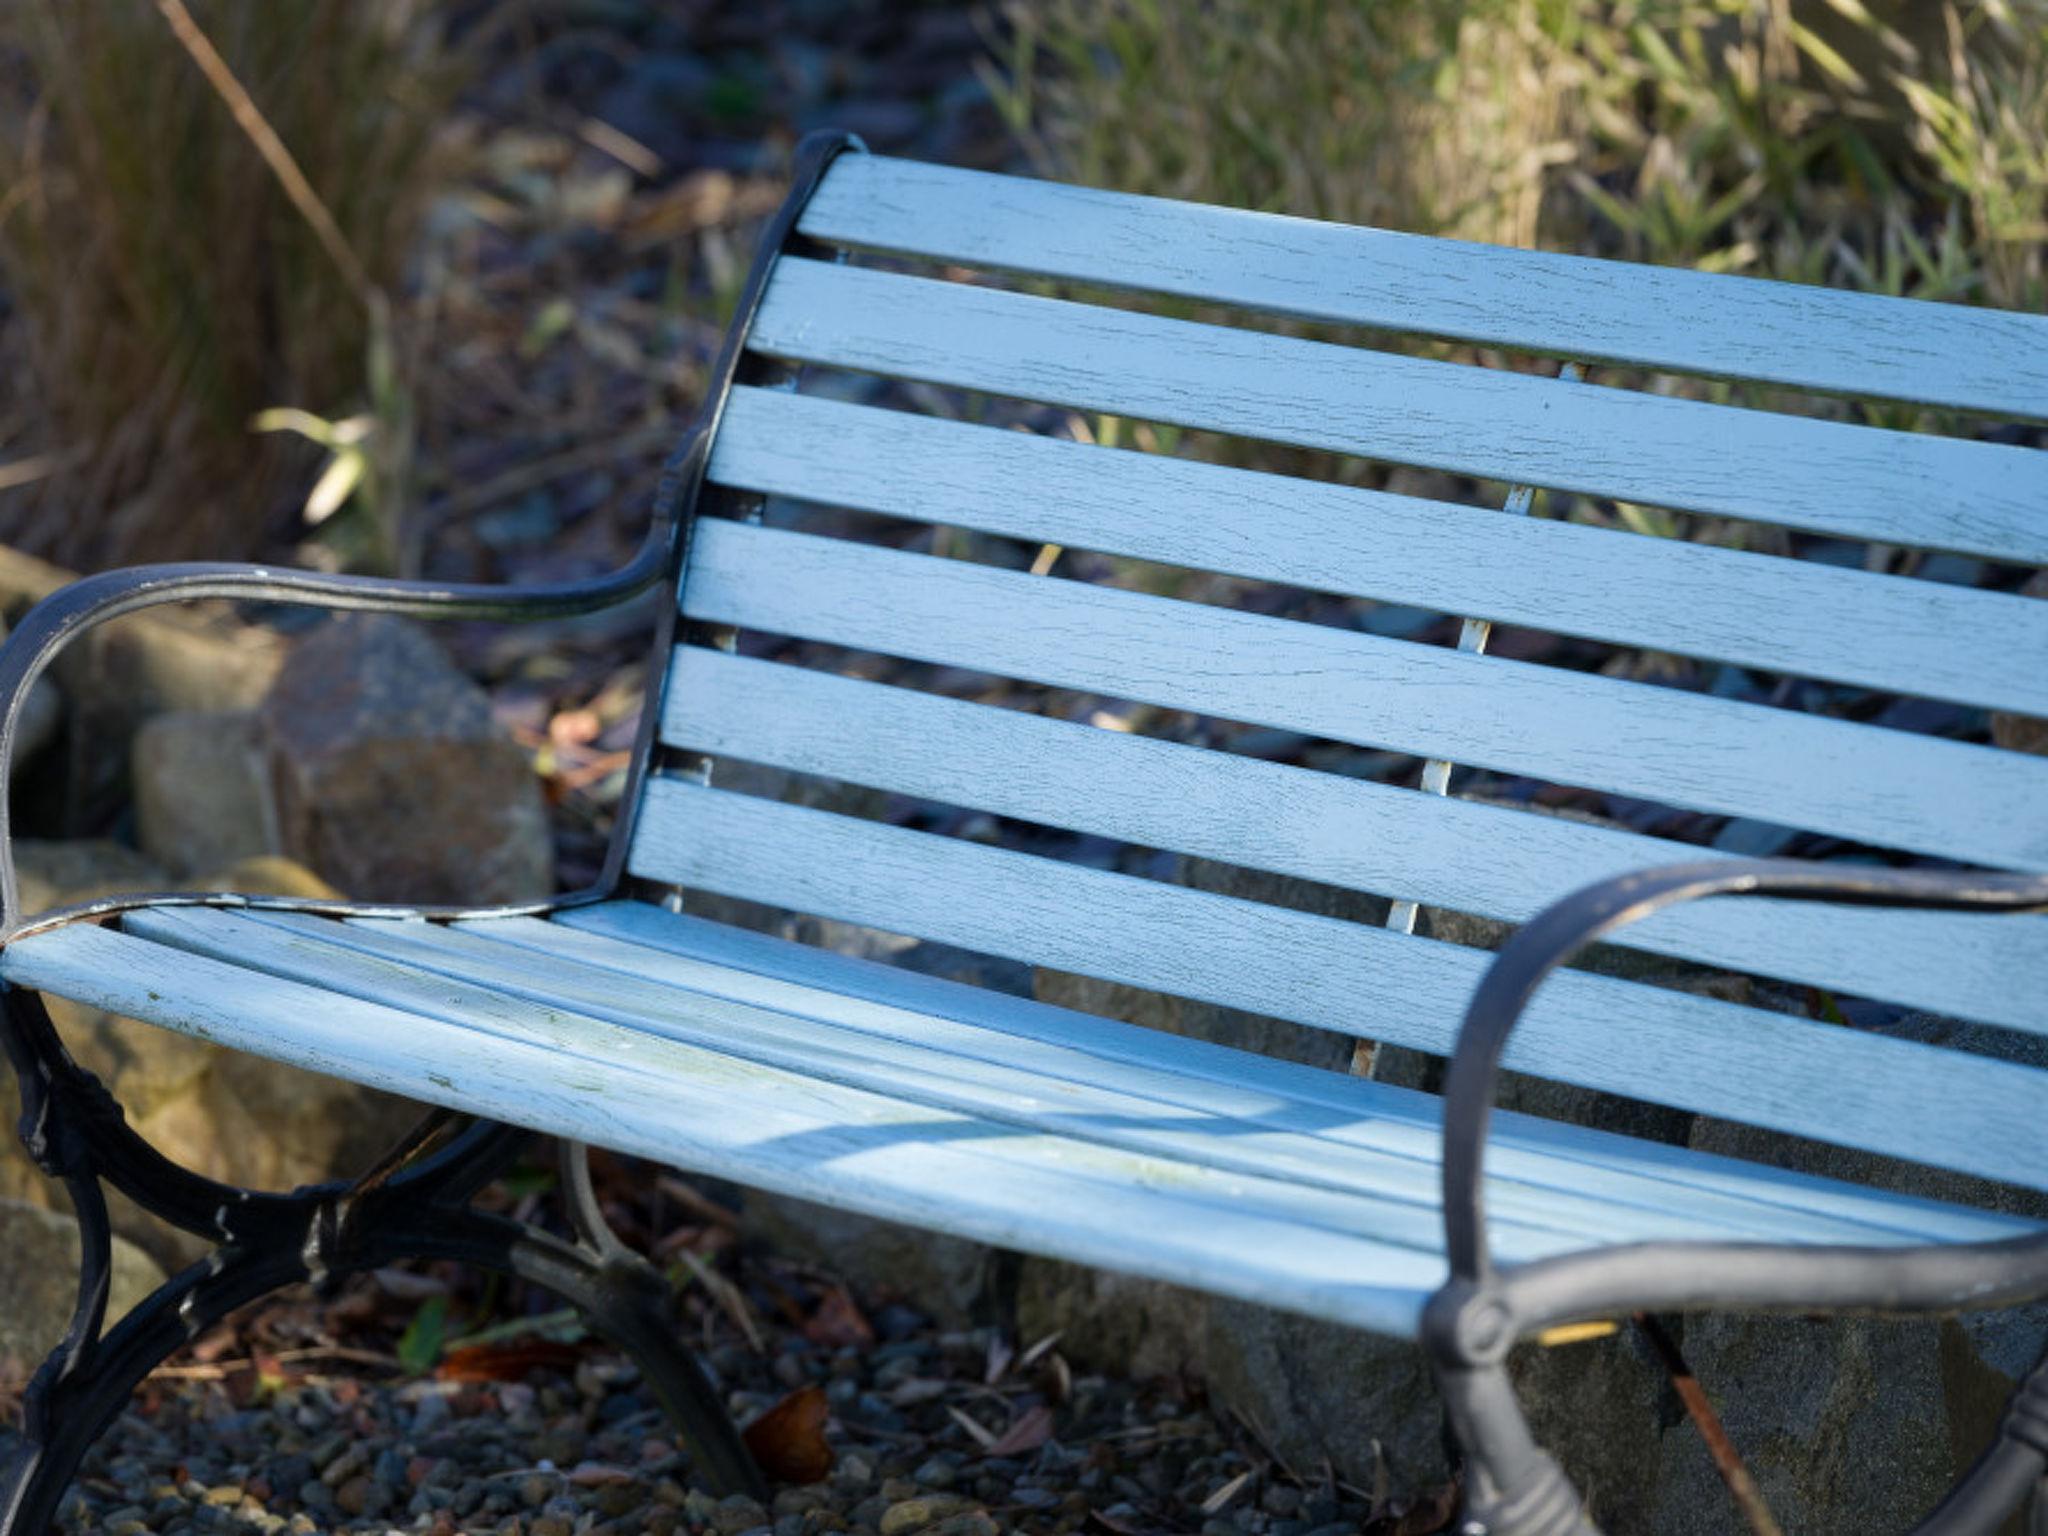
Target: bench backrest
column 903, row 309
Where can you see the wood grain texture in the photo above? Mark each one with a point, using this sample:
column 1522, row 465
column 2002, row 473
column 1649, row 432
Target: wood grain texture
column 1571, row 306
column 1882, row 632
column 1342, row 831
column 1886, row 787
column 717, row 1114
column 1214, row 1076
column 1856, row 1089
column 1858, row 482
column 948, row 1064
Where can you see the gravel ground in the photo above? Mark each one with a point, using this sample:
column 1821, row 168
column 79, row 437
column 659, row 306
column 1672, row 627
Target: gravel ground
column 432, row 1399
column 941, row 1432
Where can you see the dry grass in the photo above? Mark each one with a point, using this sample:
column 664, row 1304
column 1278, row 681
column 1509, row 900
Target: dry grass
column 164, row 288
column 1889, row 144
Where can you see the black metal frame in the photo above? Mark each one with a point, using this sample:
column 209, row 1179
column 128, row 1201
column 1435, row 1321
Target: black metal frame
column 1512, row 1487
column 414, row 1202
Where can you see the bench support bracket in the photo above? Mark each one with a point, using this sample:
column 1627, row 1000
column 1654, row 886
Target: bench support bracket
column 413, row 1204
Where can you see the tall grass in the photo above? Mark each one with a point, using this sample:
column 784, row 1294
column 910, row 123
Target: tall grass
column 163, row 289
column 1899, row 145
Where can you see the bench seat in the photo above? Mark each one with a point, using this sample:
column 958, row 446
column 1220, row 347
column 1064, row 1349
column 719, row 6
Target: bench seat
column 902, row 1095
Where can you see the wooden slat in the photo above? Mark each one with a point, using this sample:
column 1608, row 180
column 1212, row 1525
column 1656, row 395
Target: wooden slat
column 949, row 1065
column 1886, row 787
column 1861, row 1090
column 1328, row 828
column 1880, row 632
column 1573, row 306
column 1598, row 1163
column 770, row 1129
column 1858, row 482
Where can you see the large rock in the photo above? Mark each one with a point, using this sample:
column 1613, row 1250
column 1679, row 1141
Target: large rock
column 116, row 675
column 1311, row 1391
column 952, row 1279
column 202, row 790
column 232, row 1116
column 39, row 1277
column 1852, row 1424
column 391, row 779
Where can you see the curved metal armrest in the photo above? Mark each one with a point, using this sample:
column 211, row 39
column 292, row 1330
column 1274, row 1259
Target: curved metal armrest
column 67, row 613
column 1514, row 1488
column 1560, row 931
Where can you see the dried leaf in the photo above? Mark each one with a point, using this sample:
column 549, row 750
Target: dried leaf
column 839, row 1322
column 1220, row 1499
column 1037, row 1352
column 918, row 1389
column 1000, row 1354
column 788, row 1441
column 981, row 1434
column 1031, row 1430
column 407, row 1286
column 574, row 727
column 1062, row 1378
column 595, row 1474
column 507, row 1360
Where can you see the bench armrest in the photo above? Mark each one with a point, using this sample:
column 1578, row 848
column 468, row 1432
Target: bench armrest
column 1560, row 931
column 1513, row 1488
column 67, row 613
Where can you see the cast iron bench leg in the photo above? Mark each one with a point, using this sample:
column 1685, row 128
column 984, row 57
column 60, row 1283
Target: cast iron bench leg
column 411, row 1205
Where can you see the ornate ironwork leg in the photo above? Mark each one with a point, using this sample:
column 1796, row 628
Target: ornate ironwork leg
column 411, row 1205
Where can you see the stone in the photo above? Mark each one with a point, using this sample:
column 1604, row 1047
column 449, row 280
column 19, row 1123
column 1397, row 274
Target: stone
column 1854, row 1423
column 227, row 1114
column 951, row 1278
column 911, row 1515
column 202, row 793
column 54, row 873
column 116, row 675
column 39, row 1277
column 1310, row 1390
column 391, row 779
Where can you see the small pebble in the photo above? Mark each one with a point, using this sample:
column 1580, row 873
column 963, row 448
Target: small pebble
column 908, row 1515
column 938, row 1472
column 736, row 1514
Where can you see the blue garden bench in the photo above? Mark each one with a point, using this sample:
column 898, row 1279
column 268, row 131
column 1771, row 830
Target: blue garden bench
column 610, row 1017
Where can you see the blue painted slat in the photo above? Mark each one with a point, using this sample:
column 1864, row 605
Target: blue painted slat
column 1833, row 477
column 1862, row 1090
column 1325, row 827
column 949, row 1065
column 1887, row 787
column 1882, row 632
column 713, row 1113
column 635, row 936
column 1572, row 306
